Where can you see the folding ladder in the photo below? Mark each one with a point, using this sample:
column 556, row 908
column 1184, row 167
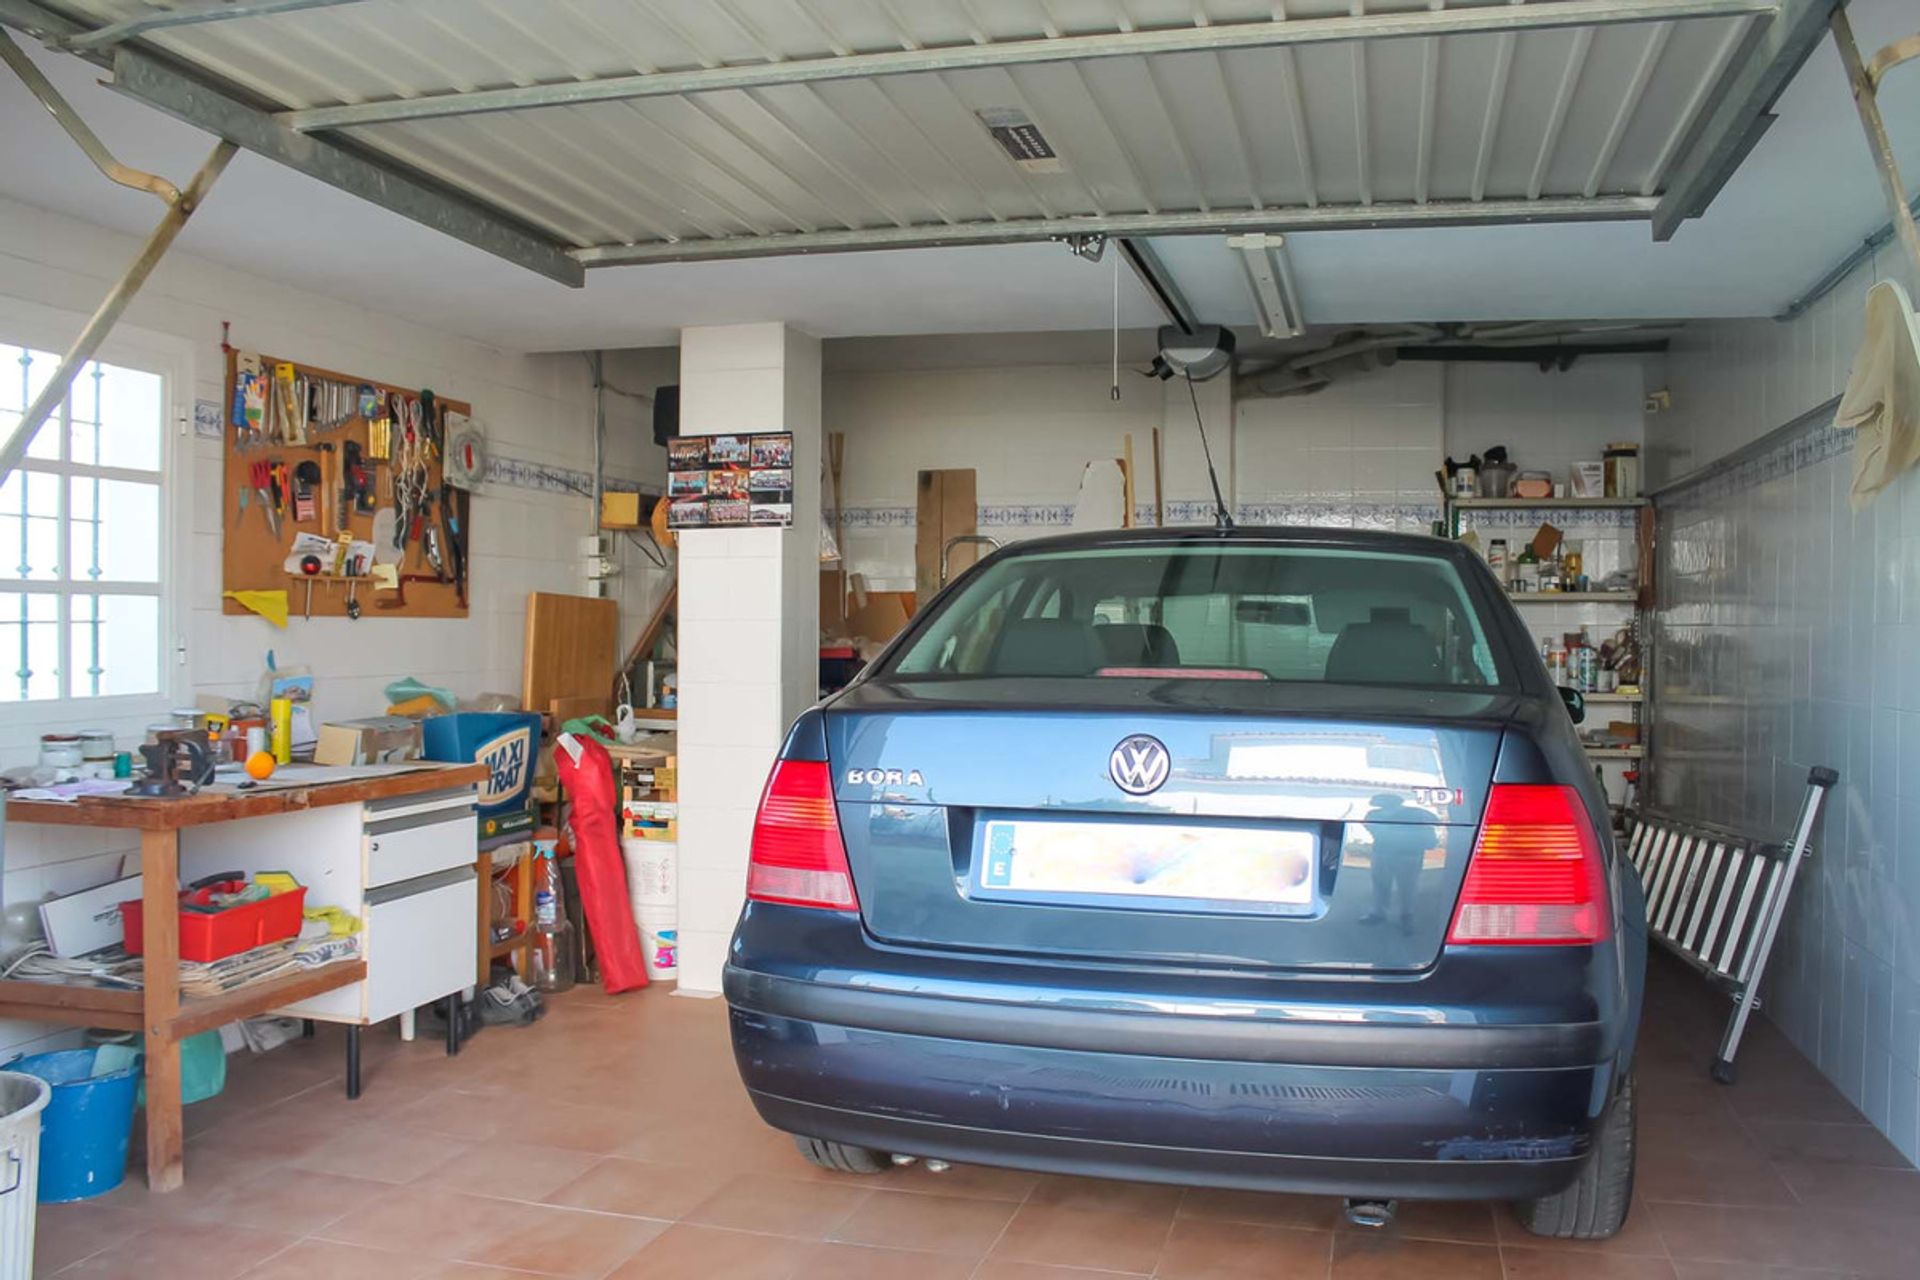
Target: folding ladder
column 1716, row 898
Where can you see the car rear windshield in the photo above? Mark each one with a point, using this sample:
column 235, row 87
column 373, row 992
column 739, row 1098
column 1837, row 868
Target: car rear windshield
column 1273, row 612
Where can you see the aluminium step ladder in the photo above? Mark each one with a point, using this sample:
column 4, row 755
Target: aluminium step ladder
column 1716, row 898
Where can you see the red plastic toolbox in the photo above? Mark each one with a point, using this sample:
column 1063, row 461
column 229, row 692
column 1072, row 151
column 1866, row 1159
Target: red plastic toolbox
column 215, row 935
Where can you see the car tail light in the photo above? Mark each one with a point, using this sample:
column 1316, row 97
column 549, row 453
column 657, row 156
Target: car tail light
column 1535, row 876
column 797, row 854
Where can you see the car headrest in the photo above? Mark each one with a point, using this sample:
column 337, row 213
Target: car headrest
column 1384, row 652
column 1137, row 644
column 1044, row 647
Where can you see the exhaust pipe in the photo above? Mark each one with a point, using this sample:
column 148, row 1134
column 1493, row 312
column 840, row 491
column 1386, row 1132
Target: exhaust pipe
column 1371, row 1213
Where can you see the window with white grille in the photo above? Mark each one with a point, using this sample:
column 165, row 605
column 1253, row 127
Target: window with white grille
column 83, row 527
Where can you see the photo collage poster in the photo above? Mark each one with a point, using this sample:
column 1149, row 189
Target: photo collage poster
column 739, row 480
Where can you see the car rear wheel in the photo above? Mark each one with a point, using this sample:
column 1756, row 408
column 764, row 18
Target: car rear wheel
column 1595, row 1207
column 840, row 1157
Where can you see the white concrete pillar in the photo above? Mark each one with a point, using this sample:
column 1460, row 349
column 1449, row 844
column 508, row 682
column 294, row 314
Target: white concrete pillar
column 749, row 623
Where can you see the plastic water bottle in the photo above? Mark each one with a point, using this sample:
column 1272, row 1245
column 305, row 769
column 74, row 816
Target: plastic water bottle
column 550, row 950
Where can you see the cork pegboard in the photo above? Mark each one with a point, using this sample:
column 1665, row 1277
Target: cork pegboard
column 254, row 557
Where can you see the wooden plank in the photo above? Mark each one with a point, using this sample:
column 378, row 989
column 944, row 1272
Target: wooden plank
column 946, row 509
column 71, row 1005
column 650, row 634
column 252, row 558
column 160, row 897
column 1159, row 493
column 224, row 804
column 208, row 1012
column 572, row 648
column 1126, row 481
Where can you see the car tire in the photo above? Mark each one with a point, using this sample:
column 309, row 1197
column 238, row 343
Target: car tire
column 840, row 1157
column 1594, row 1207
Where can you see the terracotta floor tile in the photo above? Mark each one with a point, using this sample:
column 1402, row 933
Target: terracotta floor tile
column 778, row 1206
column 1854, row 1144
column 1200, row 1249
column 567, row 1242
column 599, row 1130
column 745, row 1146
column 1743, row 1271
column 1837, row 1186
column 180, row 1251
column 330, row 1260
column 509, row 1170
column 1143, row 1198
column 424, row 1219
column 1274, row 1209
column 640, row 1189
column 712, row 1253
column 1000, row 1269
column 1083, row 1238
column 975, row 1181
column 465, row 1271
column 384, row 1153
column 1387, row 1258
column 941, row 1224
column 298, row 1204
column 1755, row 1236
column 1459, row 1221
column 1561, row 1264
column 832, row 1261
column 65, row 1233
column 453, row 1113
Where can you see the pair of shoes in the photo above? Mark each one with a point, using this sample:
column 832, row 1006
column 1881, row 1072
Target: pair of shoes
column 510, row 1002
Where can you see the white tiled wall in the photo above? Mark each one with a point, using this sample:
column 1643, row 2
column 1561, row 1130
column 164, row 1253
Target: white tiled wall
column 1362, row 451
column 536, row 408
column 1787, row 637
column 749, row 625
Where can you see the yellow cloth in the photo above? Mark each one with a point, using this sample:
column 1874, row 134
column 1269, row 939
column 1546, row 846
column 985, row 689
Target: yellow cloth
column 271, row 605
column 1882, row 400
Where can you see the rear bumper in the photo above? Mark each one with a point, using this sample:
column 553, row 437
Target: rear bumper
column 1352, row 1109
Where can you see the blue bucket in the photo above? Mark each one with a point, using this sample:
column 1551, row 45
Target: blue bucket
column 86, row 1126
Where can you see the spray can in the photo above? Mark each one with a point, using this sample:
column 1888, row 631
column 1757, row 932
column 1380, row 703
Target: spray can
column 280, row 713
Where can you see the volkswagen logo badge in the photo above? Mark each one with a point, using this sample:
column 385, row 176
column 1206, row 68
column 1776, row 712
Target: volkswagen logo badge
column 1139, row 765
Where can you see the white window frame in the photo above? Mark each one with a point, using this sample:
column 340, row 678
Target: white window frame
column 51, row 329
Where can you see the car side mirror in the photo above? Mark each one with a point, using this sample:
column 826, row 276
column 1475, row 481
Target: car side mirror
column 1576, row 703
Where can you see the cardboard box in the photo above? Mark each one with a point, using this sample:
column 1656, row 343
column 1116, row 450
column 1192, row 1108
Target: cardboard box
column 374, row 740
column 619, row 511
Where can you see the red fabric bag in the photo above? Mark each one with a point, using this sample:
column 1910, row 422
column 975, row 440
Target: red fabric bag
column 586, row 771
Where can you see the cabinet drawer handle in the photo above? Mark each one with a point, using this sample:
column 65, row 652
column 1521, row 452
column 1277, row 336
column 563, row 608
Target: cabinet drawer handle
column 375, row 846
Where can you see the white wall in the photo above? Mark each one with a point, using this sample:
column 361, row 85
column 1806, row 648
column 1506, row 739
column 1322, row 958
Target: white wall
column 537, row 415
column 1786, row 638
column 1362, row 452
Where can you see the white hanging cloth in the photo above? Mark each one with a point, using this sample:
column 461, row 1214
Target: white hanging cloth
column 1882, row 401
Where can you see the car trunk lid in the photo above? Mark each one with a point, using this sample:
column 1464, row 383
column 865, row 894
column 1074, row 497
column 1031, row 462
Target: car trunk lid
column 985, row 816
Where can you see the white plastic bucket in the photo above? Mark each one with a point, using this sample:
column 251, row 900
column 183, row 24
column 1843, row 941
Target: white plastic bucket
column 22, row 1099
column 659, row 941
column 653, row 872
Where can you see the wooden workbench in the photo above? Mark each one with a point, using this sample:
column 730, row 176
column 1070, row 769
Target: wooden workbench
column 157, row 1011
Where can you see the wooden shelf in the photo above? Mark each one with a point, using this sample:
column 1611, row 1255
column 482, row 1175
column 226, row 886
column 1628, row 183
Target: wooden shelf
column 1615, row 697
column 506, row 947
column 204, row 1013
column 1572, row 597
column 1547, row 504
column 111, row 1007
column 1615, row 753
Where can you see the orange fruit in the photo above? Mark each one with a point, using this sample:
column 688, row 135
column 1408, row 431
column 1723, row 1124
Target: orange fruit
column 260, row 765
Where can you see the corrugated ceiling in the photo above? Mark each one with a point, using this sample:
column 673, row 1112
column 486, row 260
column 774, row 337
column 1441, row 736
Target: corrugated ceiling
column 1548, row 113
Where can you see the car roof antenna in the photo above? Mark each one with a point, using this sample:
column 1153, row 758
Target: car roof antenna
column 1196, row 353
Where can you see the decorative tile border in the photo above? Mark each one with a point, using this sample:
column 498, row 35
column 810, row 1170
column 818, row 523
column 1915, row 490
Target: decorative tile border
column 1529, row 518
column 524, row 473
column 1809, row 439
column 1405, row 517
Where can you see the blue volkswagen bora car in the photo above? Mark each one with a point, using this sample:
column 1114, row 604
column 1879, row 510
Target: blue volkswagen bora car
column 1248, row 858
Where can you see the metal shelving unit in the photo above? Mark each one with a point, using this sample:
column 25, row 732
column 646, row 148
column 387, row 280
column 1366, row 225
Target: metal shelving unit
column 1451, row 512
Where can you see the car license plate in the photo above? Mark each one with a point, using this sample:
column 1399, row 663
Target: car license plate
column 1145, row 865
